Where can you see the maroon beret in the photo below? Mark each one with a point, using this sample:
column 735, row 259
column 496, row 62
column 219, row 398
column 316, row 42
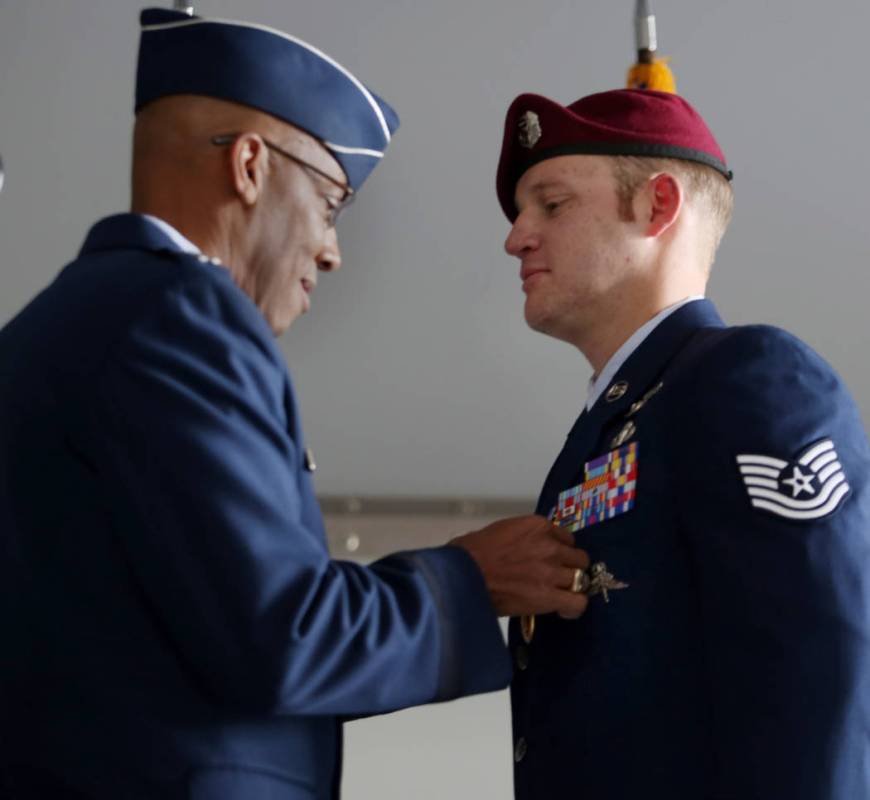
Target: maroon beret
column 623, row 122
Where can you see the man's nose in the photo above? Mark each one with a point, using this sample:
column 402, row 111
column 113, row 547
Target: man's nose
column 521, row 238
column 329, row 258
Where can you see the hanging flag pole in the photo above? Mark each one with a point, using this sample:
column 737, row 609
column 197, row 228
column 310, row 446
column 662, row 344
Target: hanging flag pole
column 645, row 32
column 650, row 72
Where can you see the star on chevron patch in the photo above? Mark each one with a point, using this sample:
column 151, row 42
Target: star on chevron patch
column 810, row 487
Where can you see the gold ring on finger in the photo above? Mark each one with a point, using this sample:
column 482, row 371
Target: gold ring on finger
column 580, row 581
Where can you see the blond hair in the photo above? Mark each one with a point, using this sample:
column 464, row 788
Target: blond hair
column 706, row 188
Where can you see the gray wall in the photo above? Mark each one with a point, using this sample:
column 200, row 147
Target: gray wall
column 416, row 373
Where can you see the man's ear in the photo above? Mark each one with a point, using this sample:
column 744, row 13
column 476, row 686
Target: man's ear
column 248, row 158
column 665, row 196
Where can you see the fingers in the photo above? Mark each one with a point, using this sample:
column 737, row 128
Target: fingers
column 568, row 578
column 564, row 602
column 569, row 554
column 528, row 565
column 565, row 537
column 565, row 599
column 572, row 557
column 572, row 606
column 572, row 601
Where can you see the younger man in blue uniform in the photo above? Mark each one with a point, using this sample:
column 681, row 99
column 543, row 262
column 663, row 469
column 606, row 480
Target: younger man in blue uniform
column 173, row 626
column 717, row 477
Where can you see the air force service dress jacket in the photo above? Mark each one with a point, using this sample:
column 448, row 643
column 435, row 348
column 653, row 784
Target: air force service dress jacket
column 172, row 624
column 736, row 663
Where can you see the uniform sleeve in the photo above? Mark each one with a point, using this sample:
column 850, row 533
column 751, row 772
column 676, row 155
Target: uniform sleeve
column 783, row 571
column 215, row 517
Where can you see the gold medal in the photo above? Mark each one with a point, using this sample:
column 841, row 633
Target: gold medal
column 527, row 627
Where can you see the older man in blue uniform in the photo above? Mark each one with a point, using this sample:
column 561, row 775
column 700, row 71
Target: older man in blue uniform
column 172, row 624
column 717, row 477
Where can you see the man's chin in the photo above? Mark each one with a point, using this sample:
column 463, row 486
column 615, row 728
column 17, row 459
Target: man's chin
column 282, row 325
column 548, row 324
column 536, row 319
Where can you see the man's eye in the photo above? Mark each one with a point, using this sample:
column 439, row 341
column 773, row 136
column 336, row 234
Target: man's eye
column 332, row 207
column 551, row 206
column 335, row 206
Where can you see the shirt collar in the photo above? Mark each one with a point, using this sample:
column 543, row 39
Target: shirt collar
column 598, row 383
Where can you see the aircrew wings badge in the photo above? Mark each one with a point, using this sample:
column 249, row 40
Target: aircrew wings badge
column 608, row 489
column 811, row 487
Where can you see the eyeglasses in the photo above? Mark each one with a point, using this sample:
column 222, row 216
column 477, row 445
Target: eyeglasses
column 335, row 207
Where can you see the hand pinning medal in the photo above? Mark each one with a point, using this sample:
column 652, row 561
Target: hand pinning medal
column 596, row 580
column 608, row 490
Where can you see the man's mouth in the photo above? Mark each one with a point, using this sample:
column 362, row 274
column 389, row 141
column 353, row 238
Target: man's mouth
column 529, row 275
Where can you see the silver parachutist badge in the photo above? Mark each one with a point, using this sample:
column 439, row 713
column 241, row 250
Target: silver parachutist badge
column 603, row 581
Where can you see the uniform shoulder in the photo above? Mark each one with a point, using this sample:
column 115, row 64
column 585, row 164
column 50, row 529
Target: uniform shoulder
column 183, row 291
column 190, row 317
column 754, row 355
column 760, row 386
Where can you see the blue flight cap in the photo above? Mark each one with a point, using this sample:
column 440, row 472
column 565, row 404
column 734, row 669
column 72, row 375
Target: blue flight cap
column 268, row 70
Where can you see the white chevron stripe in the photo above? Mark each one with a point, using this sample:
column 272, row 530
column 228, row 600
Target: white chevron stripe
column 828, row 471
column 353, row 151
column 822, row 460
column 765, row 461
column 817, row 513
column 801, row 505
column 766, row 482
column 766, row 471
column 812, row 455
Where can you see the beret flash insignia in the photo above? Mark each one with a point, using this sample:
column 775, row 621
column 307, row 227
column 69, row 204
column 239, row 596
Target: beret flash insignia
column 530, row 129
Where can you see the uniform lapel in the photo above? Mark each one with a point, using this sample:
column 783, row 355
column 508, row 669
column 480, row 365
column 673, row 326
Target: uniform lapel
column 640, row 372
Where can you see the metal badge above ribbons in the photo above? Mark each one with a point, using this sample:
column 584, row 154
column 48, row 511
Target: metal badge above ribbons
column 609, row 488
